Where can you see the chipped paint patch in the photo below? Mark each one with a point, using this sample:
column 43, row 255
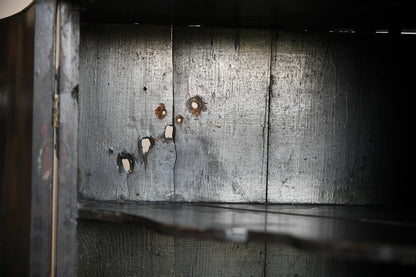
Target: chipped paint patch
column 125, row 162
column 126, row 165
column 146, row 144
column 169, row 130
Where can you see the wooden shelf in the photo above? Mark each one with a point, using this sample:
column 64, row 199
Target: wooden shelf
column 357, row 232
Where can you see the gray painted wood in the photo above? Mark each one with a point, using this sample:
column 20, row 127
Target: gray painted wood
column 221, row 154
column 117, row 63
column 329, row 121
column 330, row 131
column 67, row 141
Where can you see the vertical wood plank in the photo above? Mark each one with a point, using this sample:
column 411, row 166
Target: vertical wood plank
column 42, row 137
column 67, row 141
column 125, row 74
column 221, row 150
column 329, row 119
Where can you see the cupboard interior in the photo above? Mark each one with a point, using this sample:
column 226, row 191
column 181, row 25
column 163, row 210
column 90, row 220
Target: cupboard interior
column 227, row 118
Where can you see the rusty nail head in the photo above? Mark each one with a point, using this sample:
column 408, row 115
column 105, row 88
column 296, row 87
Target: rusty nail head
column 160, row 111
column 179, row 119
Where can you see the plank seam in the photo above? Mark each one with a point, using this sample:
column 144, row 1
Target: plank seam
column 267, row 118
column 173, row 111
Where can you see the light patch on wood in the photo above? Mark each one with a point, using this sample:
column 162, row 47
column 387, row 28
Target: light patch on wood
column 126, row 164
column 194, row 105
column 146, row 143
column 169, row 132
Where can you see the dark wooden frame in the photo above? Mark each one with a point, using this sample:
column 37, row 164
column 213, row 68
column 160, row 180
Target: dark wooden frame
column 42, row 149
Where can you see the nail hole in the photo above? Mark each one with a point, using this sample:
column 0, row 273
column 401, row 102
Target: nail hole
column 144, row 88
column 196, row 105
column 111, row 150
column 179, row 119
column 160, row 111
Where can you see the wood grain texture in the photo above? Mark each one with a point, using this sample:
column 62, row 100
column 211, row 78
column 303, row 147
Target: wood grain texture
column 326, row 137
column 330, row 121
column 210, row 258
column 114, row 249
column 125, row 73
column 221, row 154
column 110, row 249
column 126, row 249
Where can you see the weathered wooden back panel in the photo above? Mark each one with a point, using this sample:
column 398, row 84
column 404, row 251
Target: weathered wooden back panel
column 259, row 115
